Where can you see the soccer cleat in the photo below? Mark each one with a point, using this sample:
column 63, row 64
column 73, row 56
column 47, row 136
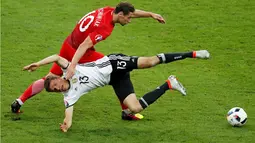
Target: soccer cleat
column 201, row 54
column 15, row 107
column 131, row 116
column 174, row 84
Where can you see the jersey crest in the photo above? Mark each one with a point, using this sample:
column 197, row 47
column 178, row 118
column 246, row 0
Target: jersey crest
column 74, row 80
column 98, row 37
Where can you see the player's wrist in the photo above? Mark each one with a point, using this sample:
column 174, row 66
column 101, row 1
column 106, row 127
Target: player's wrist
column 72, row 65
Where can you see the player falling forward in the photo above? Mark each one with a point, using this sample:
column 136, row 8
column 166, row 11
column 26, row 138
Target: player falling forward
column 92, row 28
column 111, row 70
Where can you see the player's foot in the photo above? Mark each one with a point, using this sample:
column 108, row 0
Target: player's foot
column 131, row 116
column 15, row 107
column 174, row 84
column 201, row 54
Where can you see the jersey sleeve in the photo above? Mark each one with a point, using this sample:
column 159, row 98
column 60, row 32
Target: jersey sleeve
column 71, row 100
column 99, row 35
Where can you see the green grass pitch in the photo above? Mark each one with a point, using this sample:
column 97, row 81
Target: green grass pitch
column 34, row 29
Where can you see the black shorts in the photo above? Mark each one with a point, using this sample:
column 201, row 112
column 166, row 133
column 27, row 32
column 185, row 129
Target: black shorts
column 120, row 76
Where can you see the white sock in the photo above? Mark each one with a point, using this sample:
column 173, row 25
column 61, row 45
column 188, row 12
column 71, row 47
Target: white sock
column 20, row 102
column 127, row 111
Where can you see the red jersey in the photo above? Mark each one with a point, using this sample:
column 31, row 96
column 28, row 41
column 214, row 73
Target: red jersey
column 97, row 25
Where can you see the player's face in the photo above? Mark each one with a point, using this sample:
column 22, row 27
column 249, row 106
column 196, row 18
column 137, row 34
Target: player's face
column 59, row 85
column 125, row 19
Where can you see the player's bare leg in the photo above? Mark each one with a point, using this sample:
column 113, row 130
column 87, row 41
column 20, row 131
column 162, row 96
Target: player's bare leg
column 147, row 62
column 35, row 88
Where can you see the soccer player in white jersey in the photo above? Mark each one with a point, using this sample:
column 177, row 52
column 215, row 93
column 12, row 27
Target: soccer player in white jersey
column 111, row 70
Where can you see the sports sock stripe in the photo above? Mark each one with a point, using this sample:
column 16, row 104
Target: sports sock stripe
column 144, row 102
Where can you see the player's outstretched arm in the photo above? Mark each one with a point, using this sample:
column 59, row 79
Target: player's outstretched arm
column 54, row 58
column 84, row 46
column 67, row 123
column 140, row 13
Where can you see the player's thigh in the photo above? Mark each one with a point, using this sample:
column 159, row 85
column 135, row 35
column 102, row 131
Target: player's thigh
column 122, row 85
column 123, row 63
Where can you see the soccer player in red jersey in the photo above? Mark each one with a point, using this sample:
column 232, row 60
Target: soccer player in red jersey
column 91, row 29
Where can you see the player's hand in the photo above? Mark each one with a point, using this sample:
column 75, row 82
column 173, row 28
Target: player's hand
column 158, row 17
column 63, row 127
column 70, row 71
column 31, row 67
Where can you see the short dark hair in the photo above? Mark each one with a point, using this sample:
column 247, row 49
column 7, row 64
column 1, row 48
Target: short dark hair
column 124, row 7
column 47, row 83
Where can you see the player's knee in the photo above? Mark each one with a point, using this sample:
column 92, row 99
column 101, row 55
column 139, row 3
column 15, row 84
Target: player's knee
column 153, row 61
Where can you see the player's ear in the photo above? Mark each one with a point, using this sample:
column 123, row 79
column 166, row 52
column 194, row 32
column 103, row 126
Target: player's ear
column 121, row 13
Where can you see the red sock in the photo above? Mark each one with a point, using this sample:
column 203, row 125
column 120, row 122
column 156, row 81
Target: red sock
column 32, row 90
column 123, row 106
column 194, row 54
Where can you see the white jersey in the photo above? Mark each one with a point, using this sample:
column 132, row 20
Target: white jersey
column 87, row 77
